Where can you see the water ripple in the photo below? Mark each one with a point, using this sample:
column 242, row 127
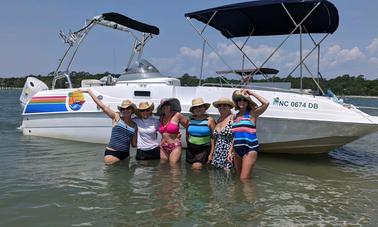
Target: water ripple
column 48, row 182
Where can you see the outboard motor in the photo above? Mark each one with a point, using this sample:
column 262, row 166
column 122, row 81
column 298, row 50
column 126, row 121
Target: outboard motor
column 31, row 87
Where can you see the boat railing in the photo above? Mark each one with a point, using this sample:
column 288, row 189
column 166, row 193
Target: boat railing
column 223, row 85
column 263, row 88
column 145, row 82
column 367, row 107
column 61, row 75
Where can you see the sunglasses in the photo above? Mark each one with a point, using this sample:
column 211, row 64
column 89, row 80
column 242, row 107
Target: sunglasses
column 145, row 110
column 198, row 107
column 128, row 108
column 241, row 99
column 223, row 105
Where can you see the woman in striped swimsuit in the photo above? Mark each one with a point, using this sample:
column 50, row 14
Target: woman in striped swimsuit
column 245, row 142
column 124, row 130
column 199, row 134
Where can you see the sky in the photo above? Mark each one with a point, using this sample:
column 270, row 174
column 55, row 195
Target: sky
column 29, row 41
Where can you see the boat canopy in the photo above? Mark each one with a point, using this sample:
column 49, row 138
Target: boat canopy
column 269, row 17
column 254, row 71
column 130, row 23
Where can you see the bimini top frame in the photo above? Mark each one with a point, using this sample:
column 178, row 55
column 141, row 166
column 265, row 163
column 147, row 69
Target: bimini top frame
column 111, row 20
column 268, row 18
column 245, row 74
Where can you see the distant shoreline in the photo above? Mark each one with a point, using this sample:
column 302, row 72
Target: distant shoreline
column 341, row 96
column 10, row 88
column 359, row 96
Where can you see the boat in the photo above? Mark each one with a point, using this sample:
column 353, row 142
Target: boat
column 296, row 122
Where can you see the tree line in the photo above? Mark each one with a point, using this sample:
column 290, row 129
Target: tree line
column 341, row 85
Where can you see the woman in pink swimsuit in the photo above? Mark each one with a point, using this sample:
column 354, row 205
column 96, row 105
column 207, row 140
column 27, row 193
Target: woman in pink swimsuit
column 170, row 119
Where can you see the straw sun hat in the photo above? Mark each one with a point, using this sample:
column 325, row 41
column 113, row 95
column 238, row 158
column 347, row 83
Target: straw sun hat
column 223, row 100
column 238, row 94
column 199, row 102
column 175, row 105
column 144, row 106
column 125, row 104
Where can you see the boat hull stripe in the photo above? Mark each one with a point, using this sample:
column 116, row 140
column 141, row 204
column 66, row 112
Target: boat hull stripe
column 42, row 108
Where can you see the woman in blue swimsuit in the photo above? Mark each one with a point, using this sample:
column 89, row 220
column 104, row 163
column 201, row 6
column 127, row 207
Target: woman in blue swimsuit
column 124, row 130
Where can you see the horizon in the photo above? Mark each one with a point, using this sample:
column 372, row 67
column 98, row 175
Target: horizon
column 232, row 77
column 32, row 46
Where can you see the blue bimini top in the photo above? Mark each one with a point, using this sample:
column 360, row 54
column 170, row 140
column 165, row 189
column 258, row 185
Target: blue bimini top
column 269, row 17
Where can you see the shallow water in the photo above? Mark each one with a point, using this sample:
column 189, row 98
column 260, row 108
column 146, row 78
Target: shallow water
column 48, row 182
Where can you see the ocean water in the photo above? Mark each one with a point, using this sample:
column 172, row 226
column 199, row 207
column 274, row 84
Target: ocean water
column 48, row 182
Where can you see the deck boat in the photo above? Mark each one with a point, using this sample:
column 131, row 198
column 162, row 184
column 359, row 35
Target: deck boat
column 295, row 122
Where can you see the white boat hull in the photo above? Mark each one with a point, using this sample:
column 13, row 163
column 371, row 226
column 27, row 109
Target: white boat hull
column 275, row 135
column 288, row 126
column 307, row 136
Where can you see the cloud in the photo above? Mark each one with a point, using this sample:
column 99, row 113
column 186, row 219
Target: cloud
column 187, row 52
column 334, row 49
column 373, row 61
column 256, row 54
column 227, row 49
column 335, row 60
column 373, row 46
column 337, row 56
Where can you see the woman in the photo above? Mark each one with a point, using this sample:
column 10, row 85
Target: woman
column 199, row 134
column 222, row 134
column 123, row 131
column 170, row 119
column 148, row 126
column 245, row 141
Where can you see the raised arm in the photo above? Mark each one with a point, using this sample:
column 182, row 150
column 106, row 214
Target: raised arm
column 107, row 110
column 264, row 103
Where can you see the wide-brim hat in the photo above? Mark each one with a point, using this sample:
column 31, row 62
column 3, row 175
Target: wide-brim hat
column 239, row 94
column 144, row 106
column 199, row 102
column 175, row 105
column 125, row 104
column 224, row 100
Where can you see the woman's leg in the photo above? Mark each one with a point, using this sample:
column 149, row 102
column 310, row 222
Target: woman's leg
column 197, row 165
column 163, row 156
column 110, row 159
column 175, row 155
column 199, row 156
column 237, row 163
column 248, row 163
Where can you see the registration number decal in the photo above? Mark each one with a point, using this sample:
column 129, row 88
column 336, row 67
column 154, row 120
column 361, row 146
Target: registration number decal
column 295, row 104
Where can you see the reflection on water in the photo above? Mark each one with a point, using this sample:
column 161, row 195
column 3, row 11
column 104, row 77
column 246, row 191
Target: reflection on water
column 47, row 182
column 168, row 193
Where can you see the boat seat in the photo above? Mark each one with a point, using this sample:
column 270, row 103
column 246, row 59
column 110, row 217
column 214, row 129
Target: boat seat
column 91, row 83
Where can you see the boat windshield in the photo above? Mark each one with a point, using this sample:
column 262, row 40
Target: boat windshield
column 141, row 69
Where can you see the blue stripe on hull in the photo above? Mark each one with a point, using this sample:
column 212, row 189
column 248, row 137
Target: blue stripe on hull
column 43, row 108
